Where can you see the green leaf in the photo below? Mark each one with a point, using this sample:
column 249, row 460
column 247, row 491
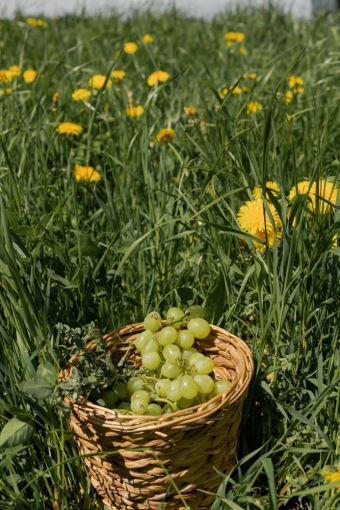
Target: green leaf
column 47, row 371
column 186, row 295
column 38, row 387
column 16, row 432
column 269, row 469
column 215, row 300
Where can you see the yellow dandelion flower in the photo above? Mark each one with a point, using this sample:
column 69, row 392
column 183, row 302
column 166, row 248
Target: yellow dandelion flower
column 252, row 76
column 14, row 70
column 287, row 98
column 270, row 185
column 253, row 107
column 55, row 97
column 118, row 75
column 86, row 173
column 157, row 77
column 134, row 111
column 148, row 39
column 298, row 90
column 301, row 188
column 242, row 50
column 130, row 47
column 326, row 190
column 235, row 90
column 36, row 22
column 234, row 37
column 244, row 90
column 80, row 94
column 29, row 76
column 165, row 135
column 69, row 128
column 8, row 90
column 254, row 219
column 190, row 110
column 332, row 476
column 5, row 76
column 97, row 82
column 295, row 81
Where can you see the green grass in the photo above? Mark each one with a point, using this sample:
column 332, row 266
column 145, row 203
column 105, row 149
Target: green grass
column 163, row 219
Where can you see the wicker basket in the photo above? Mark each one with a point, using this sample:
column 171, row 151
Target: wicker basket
column 188, row 443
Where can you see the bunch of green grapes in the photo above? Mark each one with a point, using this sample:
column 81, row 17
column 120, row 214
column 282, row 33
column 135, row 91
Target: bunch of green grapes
column 174, row 375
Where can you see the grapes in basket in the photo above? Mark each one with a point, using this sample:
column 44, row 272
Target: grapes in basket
column 173, row 374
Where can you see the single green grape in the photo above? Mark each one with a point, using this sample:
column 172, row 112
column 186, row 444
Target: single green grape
column 150, row 346
column 174, row 316
column 193, row 360
column 167, row 335
column 188, row 386
column 185, row 339
column 121, row 390
column 167, row 409
column 162, row 386
column 184, row 403
column 195, row 312
column 154, row 410
column 170, row 370
column 139, row 405
column 109, row 397
column 187, row 353
column 125, row 405
column 221, row 386
column 140, row 394
column 142, row 339
column 205, row 365
column 205, row 383
column 174, row 391
column 151, row 360
column 172, row 353
column 134, row 384
column 200, row 328
column 153, row 321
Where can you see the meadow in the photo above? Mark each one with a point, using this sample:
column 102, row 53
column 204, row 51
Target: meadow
column 124, row 189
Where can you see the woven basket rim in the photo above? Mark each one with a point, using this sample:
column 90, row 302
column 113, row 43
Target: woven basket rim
column 134, row 423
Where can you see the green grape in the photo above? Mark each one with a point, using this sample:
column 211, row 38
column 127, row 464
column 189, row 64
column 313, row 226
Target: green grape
column 205, row 365
column 134, row 384
column 195, row 312
column 125, row 405
column 200, row 328
column 167, row 336
column 141, row 394
column 174, row 391
column 221, row 386
column 174, row 316
column 150, row 346
column 170, row 370
column 193, row 360
column 154, row 410
column 188, row 386
column 185, row 339
column 187, row 353
column 205, row 383
column 139, row 405
column 167, row 409
column 153, row 321
column 109, row 397
column 172, row 353
column 142, row 339
column 184, row 403
column 120, row 390
column 151, row 360
column 162, row 386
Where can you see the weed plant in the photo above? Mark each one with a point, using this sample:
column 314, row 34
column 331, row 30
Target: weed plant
column 160, row 229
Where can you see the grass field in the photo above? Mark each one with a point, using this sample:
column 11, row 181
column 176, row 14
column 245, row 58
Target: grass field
column 165, row 217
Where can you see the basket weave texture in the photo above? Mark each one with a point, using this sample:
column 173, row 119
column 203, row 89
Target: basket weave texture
column 188, row 443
